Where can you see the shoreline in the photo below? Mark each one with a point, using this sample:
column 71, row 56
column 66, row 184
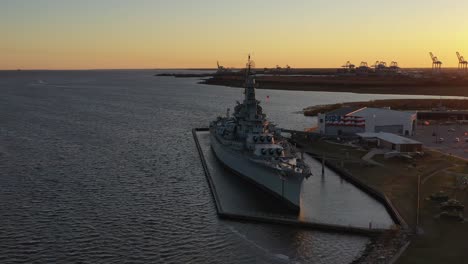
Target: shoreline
column 418, row 81
column 328, row 84
column 394, row 104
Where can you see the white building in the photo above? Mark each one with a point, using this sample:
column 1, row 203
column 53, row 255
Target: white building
column 392, row 142
column 350, row 121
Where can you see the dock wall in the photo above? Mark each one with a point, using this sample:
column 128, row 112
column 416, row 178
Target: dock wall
column 376, row 194
column 207, row 171
column 287, row 221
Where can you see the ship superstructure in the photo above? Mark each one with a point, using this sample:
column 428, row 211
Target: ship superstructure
column 251, row 146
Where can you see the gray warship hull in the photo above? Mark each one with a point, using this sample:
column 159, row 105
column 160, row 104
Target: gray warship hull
column 287, row 189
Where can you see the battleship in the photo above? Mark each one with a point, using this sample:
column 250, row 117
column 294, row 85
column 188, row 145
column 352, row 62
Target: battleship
column 253, row 148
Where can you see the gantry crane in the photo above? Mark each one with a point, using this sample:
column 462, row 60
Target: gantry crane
column 363, row 69
column 394, row 68
column 462, row 63
column 380, row 65
column 222, row 69
column 436, row 63
column 349, row 66
column 219, row 66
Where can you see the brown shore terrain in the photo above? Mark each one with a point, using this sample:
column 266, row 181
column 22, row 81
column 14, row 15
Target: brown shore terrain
column 395, row 104
column 368, row 85
column 450, row 82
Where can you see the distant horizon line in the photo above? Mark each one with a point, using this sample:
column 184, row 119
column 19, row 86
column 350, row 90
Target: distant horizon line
column 187, row 69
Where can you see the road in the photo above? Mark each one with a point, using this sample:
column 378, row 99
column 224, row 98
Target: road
column 430, row 136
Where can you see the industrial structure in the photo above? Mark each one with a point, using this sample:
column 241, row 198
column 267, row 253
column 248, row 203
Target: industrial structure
column 363, row 69
column 436, row 63
column 347, row 69
column 222, row 69
column 379, row 68
column 278, row 70
column 348, row 65
column 394, row 66
column 286, row 68
column 351, row 120
column 391, row 142
column 379, row 65
column 462, row 63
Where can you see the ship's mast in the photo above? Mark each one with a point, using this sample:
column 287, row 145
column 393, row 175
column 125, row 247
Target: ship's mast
column 249, row 85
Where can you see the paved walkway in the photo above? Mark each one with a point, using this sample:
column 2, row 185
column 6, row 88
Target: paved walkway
column 438, row 171
column 372, row 153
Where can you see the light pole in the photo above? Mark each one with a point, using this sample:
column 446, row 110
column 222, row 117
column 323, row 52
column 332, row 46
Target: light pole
column 323, row 164
column 418, row 201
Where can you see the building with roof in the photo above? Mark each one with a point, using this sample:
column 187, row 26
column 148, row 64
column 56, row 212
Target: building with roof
column 392, row 142
column 353, row 120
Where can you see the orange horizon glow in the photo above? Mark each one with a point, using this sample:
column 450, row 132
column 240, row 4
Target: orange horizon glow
column 181, row 35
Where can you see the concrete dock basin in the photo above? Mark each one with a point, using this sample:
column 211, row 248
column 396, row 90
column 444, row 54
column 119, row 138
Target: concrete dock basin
column 327, row 200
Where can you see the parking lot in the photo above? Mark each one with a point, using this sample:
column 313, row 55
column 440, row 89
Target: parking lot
column 449, row 138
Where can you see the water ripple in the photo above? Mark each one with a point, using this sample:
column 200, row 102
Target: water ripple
column 101, row 167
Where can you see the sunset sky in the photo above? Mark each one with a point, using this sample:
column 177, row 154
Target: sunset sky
column 117, row 34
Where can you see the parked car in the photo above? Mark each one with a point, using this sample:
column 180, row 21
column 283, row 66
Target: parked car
column 451, row 130
column 457, row 139
column 441, row 140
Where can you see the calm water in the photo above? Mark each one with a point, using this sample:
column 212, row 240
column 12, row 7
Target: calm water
column 100, row 166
